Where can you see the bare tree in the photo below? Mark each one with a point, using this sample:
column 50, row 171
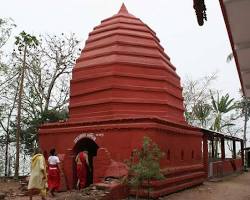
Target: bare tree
column 7, row 84
column 6, row 119
column 6, row 26
column 34, row 87
column 24, row 42
column 49, row 71
column 197, row 96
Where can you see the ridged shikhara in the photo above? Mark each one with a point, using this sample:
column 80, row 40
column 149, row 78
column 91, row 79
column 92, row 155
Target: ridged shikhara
column 124, row 72
column 124, row 88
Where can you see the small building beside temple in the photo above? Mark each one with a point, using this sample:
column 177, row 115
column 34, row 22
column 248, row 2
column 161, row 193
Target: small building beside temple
column 123, row 88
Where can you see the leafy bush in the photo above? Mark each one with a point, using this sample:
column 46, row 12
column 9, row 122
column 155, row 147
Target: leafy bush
column 144, row 165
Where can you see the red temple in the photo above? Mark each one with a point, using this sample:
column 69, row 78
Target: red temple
column 123, row 88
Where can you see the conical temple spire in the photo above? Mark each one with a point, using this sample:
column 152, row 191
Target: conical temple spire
column 123, row 9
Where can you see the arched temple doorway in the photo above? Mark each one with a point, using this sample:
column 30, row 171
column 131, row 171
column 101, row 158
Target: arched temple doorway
column 85, row 144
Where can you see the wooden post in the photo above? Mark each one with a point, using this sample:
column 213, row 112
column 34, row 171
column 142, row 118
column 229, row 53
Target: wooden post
column 222, row 148
column 234, row 150
column 212, row 142
column 205, row 153
column 242, row 153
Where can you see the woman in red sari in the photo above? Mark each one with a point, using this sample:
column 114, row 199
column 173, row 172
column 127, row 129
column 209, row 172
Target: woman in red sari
column 53, row 172
column 82, row 164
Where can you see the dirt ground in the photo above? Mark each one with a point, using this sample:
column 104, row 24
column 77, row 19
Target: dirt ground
column 235, row 187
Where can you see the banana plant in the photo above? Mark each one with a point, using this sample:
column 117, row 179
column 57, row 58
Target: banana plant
column 221, row 106
column 202, row 111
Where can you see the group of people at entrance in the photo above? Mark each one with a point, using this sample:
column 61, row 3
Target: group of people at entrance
column 45, row 175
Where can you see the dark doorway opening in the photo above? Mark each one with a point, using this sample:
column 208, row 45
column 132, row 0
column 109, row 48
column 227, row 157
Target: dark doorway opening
column 85, row 144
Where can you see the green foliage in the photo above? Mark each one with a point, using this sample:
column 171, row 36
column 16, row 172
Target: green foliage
column 144, row 164
column 196, row 96
column 222, row 105
column 201, row 111
column 29, row 135
column 24, row 43
column 230, row 57
column 244, row 107
column 25, row 39
column 207, row 108
column 44, row 64
column 6, row 26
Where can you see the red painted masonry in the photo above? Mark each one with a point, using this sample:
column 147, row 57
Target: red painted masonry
column 123, row 88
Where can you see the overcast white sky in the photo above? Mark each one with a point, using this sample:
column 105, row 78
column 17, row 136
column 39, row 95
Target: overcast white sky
column 195, row 51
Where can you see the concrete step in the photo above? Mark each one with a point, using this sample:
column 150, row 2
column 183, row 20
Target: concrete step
column 170, row 185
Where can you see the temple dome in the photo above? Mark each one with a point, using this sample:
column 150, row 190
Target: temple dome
column 123, row 72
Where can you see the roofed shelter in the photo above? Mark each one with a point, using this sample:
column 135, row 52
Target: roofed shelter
column 236, row 16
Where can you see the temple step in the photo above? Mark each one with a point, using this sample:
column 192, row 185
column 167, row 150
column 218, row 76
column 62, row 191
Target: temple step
column 171, row 185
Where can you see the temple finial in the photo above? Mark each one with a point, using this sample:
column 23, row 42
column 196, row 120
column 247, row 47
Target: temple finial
column 123, row 9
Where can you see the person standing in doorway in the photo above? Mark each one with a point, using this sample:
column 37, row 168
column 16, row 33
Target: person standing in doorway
column 38, row 177
column 53, row 172
column 82, row 164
